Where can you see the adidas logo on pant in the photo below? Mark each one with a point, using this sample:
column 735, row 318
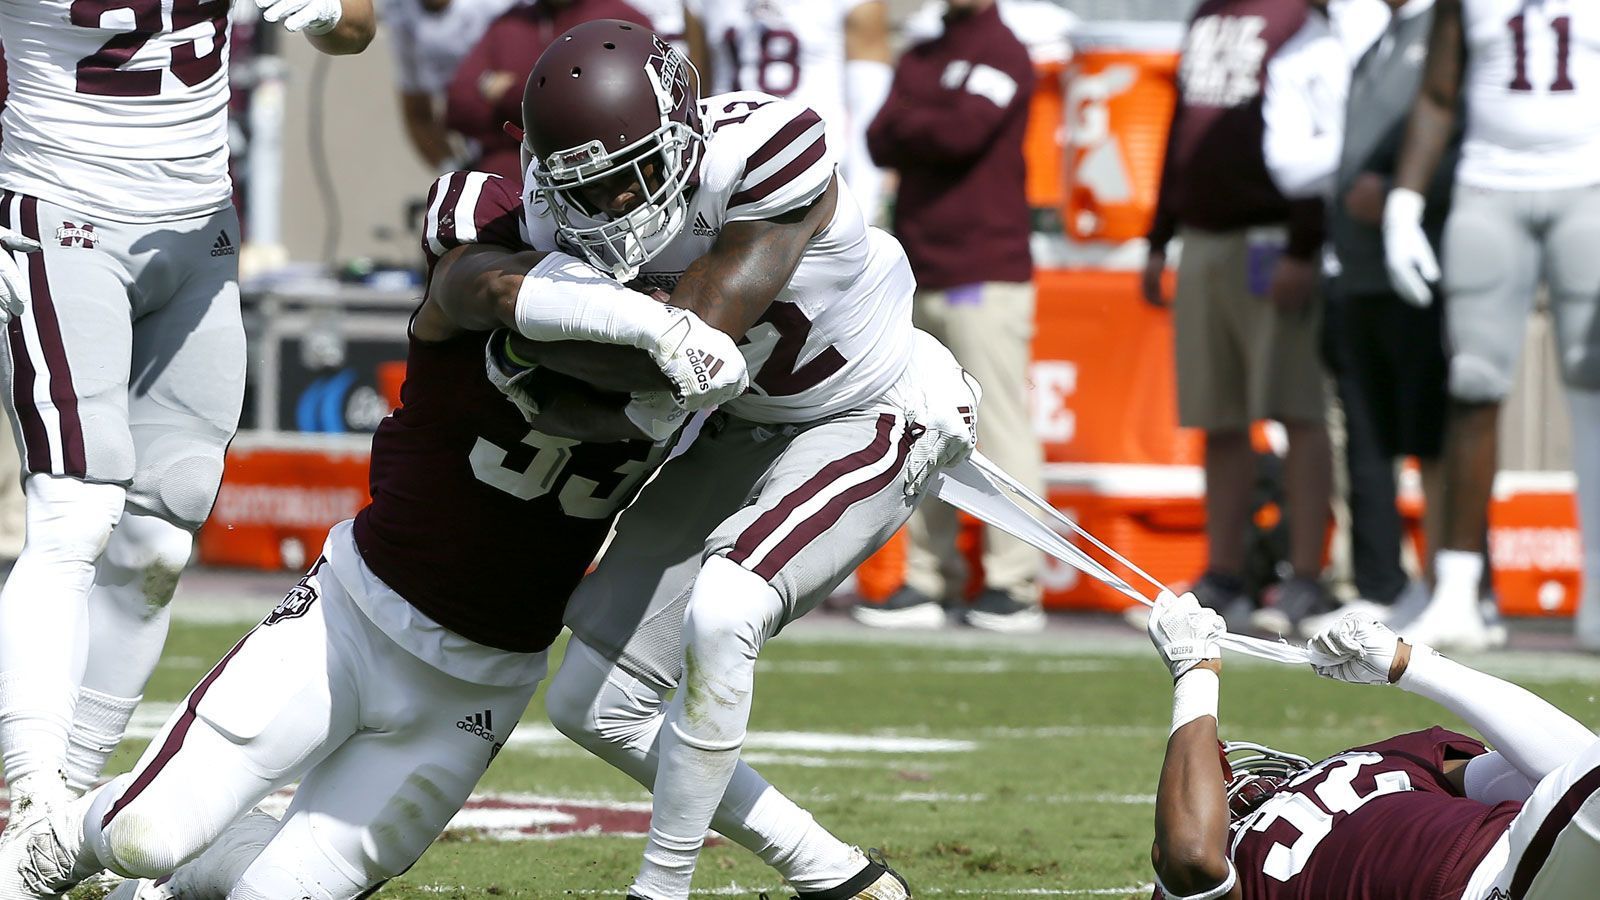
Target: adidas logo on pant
column 222, row 246
column 480, row 724
column 703, row 228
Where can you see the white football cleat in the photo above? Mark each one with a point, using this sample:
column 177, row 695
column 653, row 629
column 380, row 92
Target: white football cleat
column 1448, row 624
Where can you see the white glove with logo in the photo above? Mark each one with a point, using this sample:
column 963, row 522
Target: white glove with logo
column 1356, row 649
column 311, row 16
column 1185, row 632
column 508, row 377
column 1406, row 251
column 948, row 412
column 13, row 291
column 656, row 414
column 705, row 365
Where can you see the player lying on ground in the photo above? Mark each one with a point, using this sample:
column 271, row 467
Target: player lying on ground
column 732, row 204
column 1431, row 815
column 391, row 675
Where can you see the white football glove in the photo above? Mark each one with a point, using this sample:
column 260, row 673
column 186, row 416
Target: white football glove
column 947, row 413
column 311, row 16
column 1406, row 251
column 1185, row 632
column 13, row 291
column 508, row 377
column 656, row 414
column 704, row 364
column 1356, row 649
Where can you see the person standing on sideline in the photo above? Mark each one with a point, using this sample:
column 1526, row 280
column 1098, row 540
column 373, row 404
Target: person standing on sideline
column 429, row 38
column 1247, row 313
column 952, row 126
column 1525, row 80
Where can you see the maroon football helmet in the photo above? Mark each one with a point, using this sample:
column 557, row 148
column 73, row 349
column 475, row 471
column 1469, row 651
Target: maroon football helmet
column 1254, row 773
column 612, row 110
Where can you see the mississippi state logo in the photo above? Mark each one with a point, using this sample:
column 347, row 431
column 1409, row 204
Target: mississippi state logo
column 299, row 599
column 71, row 235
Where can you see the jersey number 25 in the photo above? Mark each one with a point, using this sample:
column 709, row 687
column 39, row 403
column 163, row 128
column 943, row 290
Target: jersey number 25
column 104, row 71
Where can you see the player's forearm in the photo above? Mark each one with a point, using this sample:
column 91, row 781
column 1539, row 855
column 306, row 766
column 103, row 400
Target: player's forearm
column 1535, row 736
column 357, row 26
column 1191, row 846
column 423, row 127
column 587, row 416
column 607, row 367
column 1428, row 134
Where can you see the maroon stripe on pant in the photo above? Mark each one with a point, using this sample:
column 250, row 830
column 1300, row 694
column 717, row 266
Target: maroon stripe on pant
column 62, row 393
column 768, row 522
column 174, row 741
column 781, row 178
column 1544, row 840
column 829, row 515
column 35, row 440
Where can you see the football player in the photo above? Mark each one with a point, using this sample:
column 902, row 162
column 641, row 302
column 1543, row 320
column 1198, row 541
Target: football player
column 1421, row 816
column 1527, row 206
column 832, row 56
column 732, row 204
column 124, row 358
column 448, row 587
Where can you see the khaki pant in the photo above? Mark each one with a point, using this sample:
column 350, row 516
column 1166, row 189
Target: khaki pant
column 989, row 328
column 1239, row 357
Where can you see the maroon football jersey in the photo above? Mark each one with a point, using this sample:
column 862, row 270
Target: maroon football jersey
column 1379, row 822
column 480, row 522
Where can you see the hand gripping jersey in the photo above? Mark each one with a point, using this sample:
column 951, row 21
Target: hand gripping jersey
column 839, row 333
column 118, row 107
column 480, row 522
column 789, row 50
column 1532, row 86
column 1378, row 822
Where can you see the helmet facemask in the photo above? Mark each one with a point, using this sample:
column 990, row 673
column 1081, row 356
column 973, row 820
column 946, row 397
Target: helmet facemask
column 663, row 164
column 1254, row 773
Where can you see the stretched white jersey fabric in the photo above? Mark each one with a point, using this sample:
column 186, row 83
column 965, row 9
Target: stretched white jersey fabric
column 1532, row 83
column 839, row 334
column 118, row 107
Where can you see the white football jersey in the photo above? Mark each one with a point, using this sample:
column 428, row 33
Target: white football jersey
column 1532, row 83
column 118, row 107
column 839, row 333
column 789, row 50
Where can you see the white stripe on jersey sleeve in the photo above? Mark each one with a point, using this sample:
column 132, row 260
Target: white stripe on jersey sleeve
column 789, row 177
column 467, row 208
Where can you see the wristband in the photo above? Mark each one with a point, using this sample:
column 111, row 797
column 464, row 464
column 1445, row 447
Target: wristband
column 1194, row 696
column 513, row 357
column 1215, row 893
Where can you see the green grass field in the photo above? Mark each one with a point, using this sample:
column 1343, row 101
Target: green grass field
column 981, row 767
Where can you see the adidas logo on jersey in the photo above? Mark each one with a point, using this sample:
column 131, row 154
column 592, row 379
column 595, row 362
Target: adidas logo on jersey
column 71, row 235
column 222, row 246
column 703, row 228
column 480, row 724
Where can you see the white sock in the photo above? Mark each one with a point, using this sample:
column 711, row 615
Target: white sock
column 731, row 613
column 129, row 613
column 43, row 619
column 1458, row 574
column 1585, row 408
column 1531, row 734
column 98, row 723
column 618, row 718
column 218, row 870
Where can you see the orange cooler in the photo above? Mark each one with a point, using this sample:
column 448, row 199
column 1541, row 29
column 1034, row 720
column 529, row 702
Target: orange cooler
column 1120, row 94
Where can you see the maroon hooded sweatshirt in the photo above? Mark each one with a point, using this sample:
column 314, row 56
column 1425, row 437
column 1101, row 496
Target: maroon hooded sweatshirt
column 952, row 126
